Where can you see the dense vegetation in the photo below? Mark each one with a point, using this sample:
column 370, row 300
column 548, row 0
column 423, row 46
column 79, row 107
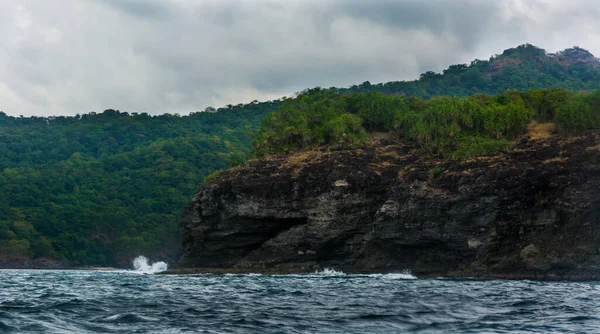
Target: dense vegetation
column 522, row 68
column 455, row 126
column 102, row 188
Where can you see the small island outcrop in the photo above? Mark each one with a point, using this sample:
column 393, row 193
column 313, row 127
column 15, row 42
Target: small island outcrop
column 532, row 211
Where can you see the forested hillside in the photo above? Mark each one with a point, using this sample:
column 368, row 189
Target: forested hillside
column 99, row 189
column 523, row 68
column 102, row 188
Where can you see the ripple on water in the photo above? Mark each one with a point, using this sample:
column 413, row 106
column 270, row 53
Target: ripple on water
column 118, row 302
column 6, row 328
column 127, row 318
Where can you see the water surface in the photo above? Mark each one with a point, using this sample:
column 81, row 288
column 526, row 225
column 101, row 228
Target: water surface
column 129, row 302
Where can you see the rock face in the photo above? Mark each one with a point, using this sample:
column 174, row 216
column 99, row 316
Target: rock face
column 577, row 56
column 533, row 212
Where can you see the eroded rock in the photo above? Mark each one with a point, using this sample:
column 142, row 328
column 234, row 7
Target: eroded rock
column 382, row 208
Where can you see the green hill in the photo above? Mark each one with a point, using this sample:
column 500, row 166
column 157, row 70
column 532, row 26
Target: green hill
column 100, row 189
column 523, row 68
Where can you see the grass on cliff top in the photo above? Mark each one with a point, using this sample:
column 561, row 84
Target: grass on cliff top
column 448, row 126
column 213, row 176
column 537, row 130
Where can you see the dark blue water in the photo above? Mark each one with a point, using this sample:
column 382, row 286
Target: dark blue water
column 127, row 302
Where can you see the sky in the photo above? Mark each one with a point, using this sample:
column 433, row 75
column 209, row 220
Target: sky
column 67, row 57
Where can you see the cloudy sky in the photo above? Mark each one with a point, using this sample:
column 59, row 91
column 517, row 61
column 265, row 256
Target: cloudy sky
column 64, row 57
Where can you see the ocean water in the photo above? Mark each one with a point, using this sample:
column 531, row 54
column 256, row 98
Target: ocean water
column 329, row 302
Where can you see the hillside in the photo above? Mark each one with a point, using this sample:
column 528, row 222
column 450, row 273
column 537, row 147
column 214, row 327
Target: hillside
column 523, row 68
column 100, row 189
column 364, row 182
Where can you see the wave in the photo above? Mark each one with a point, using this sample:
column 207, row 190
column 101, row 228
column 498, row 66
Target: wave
column 406, row 274
column 330, row 272
column 141, row 265
column 403, row 275
column 127, row 318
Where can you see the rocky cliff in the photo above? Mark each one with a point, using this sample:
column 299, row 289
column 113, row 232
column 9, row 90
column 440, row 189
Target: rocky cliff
column 532, row 212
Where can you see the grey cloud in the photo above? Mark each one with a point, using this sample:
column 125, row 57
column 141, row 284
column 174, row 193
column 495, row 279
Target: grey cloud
column 435, row 15
column 468, row 19
column 141, row 8
column 184, row 55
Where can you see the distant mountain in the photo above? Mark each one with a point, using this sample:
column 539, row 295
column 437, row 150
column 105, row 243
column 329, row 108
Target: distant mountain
column 523, row 68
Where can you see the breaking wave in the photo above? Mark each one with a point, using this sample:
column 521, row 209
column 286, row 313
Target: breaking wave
column 406, row 274
column 403, row 275
column 330, row 272
column 141, row 265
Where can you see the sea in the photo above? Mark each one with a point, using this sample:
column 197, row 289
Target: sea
column 139, row 301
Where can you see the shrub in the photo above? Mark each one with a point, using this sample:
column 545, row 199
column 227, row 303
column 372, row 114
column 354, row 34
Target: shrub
column 213, row 176
column 437, row 171
column 576, row 116
column 471, row 146
column 376, row 110
column 346, row 130
column 458, row 127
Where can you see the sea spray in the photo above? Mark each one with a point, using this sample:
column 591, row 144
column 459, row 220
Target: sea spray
column 330, row 272
column 140, row 264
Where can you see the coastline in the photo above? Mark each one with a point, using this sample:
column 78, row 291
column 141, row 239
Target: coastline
column 542, row 277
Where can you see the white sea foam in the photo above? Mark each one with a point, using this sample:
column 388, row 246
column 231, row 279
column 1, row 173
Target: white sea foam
column 141, row 265
column 330, row 272
column 406, row 274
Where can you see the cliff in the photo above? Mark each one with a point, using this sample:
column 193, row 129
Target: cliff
column 531, row 212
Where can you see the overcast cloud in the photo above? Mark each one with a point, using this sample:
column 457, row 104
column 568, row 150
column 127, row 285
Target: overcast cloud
column 64, row 57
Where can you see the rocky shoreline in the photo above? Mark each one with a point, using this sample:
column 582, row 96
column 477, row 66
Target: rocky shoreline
column 530, row 213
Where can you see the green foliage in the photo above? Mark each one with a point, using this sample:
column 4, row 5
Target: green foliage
column 458, row 127
column 236, row 160
column 213, row 176
column 102, row 188
column 311, row 119
column 437, row 171
column 16, row 248
column 376, row 109
column 523, row 68
column 472, row 146
column 443, row 123
column 345, row 130
column 579, row 114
